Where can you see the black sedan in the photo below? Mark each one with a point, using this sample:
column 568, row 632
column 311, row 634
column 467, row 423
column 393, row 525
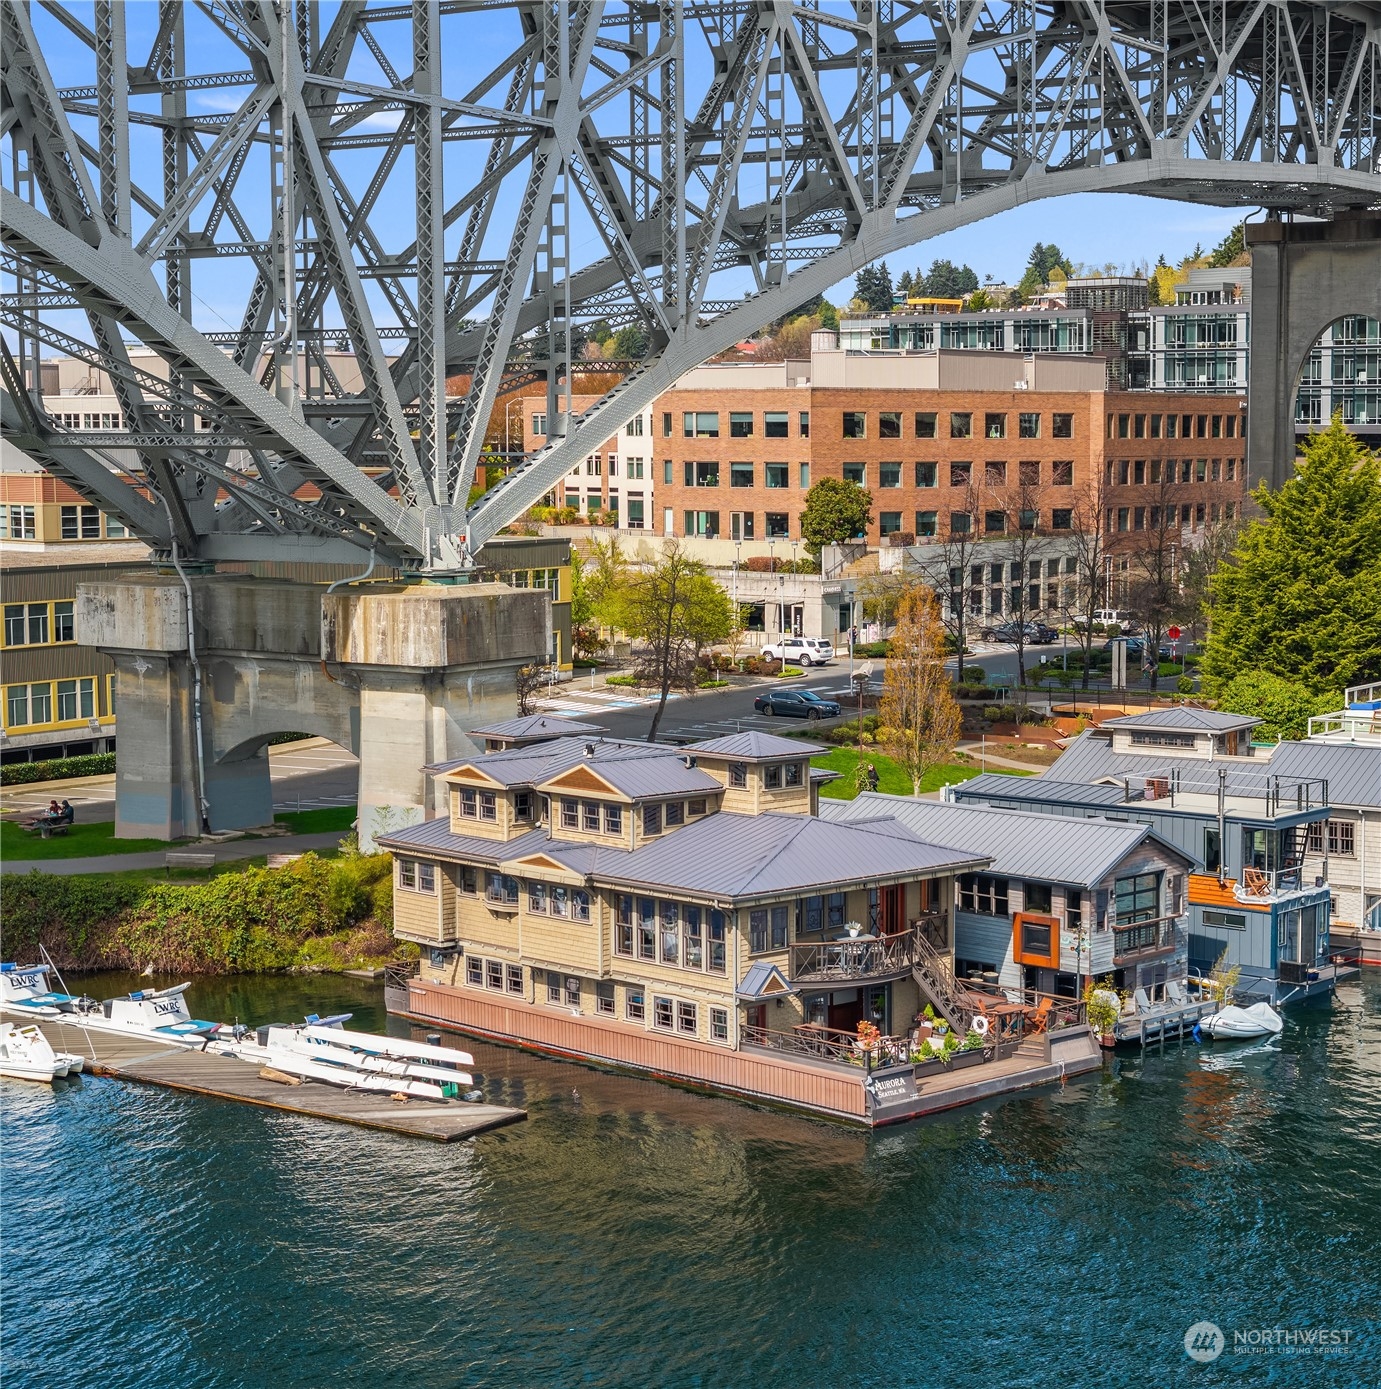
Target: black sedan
column 797, row 704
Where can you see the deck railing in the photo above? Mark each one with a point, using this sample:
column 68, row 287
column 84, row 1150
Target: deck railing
column 1260, row 884
column 1143, row 938
column 851, row 958
column 828, row 1044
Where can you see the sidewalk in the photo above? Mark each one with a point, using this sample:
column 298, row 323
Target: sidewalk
column 990, row 758
column 225, row 853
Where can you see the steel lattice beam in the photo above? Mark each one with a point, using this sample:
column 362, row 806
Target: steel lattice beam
column 699, row 167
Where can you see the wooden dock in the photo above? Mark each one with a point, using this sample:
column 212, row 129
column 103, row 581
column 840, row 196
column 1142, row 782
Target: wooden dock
column 228, row 1078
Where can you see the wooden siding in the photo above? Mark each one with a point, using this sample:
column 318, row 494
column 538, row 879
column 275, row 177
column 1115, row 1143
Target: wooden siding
column 1206, row 891
column 622, row 1044
column 417, row 915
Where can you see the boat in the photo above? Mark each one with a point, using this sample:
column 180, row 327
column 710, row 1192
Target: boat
column 1260, row 1020
column 25, row 992
column 26, row 1054
column 291, row 1063
column 161, row 1015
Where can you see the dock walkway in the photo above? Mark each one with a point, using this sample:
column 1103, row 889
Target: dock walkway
column 228, row 1078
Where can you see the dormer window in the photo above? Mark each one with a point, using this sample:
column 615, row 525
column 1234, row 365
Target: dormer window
column 792, row 773
column 772, row 778
column 468, row 805
column 675, row 814
column 613, row 819
column 652, row 819
column 590, row 816
column 489, row 807
column 570, row 815
column 738, row 774
column 696, row 807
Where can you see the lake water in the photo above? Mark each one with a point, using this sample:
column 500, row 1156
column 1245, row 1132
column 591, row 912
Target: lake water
column 630, row 1234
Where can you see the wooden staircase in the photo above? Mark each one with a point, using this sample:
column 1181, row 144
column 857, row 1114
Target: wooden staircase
column 934, row 974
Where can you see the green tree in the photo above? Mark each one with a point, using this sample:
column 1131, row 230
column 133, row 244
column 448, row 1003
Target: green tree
column 1283, row 706
column 584, row 627
column 906, row 285
column 676, row 610
column 1234, row 244
column 980, row 299
column 873, row 285
column 1301, row 595
column 1044, row 259
column 629, row 343
column 835, row 511
column 829, row 316
column 945, row 280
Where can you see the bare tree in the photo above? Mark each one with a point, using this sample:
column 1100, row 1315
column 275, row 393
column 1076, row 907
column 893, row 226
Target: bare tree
column 528, row 681
column 1088, row 531
column 1154, row 568
column 1026, row 554
column 956, row 554
column 918, row 710
column 1200, row 564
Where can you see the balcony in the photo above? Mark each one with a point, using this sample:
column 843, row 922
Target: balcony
column 1143, row 938
column 851, row 959
column 1266, row 885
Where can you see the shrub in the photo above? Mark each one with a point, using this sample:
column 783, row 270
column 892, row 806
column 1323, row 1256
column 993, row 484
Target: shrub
column 93, row 764
column 1185, row 684
column 996, row 713
column 974, row 692
column 788, row 670
column 876, row 650
column 623, row 681
column 975, row 675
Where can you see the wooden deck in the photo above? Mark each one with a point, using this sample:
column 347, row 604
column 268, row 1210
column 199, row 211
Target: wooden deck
column 226, row 1078
column 765, row 1077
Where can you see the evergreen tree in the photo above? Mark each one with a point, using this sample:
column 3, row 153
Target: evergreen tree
column 1043, row 259
column 835, row 511
column 945, row 280
column 873, row 285
column 906, row 285
column 1301, row 596
column 1234, row 244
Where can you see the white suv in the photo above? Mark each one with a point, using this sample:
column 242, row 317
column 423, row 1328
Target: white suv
column 800, row 651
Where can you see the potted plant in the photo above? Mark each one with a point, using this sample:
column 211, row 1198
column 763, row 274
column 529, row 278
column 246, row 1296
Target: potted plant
column 1102, row 1007
column 928, row 1058
column 969, row 1052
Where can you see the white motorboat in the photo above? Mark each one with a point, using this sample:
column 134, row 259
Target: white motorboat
column 1260, row 1020
column 26, row 1054
column 161, row 1015
column 24, row 992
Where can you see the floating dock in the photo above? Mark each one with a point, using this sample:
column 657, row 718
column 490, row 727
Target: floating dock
column 228, row 1078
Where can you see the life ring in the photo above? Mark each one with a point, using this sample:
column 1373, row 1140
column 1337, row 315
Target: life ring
column 979, row 1025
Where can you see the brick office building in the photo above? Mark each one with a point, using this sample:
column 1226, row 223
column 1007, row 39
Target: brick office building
column 945, row 441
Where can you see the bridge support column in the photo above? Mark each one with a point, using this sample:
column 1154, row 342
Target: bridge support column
column 1304, row 276
column 396, row 676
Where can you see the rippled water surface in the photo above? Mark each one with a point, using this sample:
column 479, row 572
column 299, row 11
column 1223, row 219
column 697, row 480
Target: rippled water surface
column 629, row 1234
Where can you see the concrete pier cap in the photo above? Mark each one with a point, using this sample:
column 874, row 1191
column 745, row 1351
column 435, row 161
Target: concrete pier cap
column 395, row 673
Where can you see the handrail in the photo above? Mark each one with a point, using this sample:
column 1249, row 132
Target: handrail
column 828, row 1044
column 1134, row 937
column 850, row 958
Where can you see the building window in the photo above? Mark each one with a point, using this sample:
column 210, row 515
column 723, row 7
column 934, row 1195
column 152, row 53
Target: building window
column 791, row 774
column 489, row 807
column 80, row 523
column 493, row 974
column 513, row 978
column 1029, row 425
column 855, row 424
column 634, row 1007
column 466, row 879
column 553, row 986
column 570, row 815
column 21, row 525
column 572, row 992
column 652, row 819
column 776, row 475
column 500, row 889
column 1062, row 519
column 589, row 811
column 692, row 922
column 927, row 474
column 1035, row 938
column 469, row 804
column 719, row 1024
column 983, row 895
column 960, row 474
column 539, row 424
column 995, row 474
column 740, row 424
column 474, row 971
column 647, row 929
column 662, row 1013
column 774, row 424
column 537, row 897
column 889, row 474
column 696, row 807
column 407, row 874
column 889, row 424
column 803, row 476
column 738, row 774
column 960, row 523
column 666, row 427
column 1062, row 473
column 926, row 523
column 634, row 428
column 926, row 424
column 772, row 777
column 994, row 426
column 604, row 997
column 669, row 915
column 1137, row 898
column 613, row 819
column 994, row 522
column 700, row 424
column 856, row 473
column 889, row 522
column 623, row 924
column 716, row 961
column 675, row 813
column 960, row 425
column 778, row 525
column 686, row 1018
column 1029, row 474
column 741, row 475
column 1341, row 838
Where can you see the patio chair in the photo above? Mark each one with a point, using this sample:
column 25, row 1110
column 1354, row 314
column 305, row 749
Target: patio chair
column 1143, row 1004
column 1177, row 994
column 1255, row 883
column 1040, row 1018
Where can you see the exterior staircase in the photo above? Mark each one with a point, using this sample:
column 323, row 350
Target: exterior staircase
column 934, row 974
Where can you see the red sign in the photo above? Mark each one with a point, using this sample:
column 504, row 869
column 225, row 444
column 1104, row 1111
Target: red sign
column 1173, row 634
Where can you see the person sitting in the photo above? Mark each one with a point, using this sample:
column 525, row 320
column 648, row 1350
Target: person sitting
column 67, row 815
column 45, row 817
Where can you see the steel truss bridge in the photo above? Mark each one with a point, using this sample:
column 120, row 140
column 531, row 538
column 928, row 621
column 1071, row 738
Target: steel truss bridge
column 462, row 188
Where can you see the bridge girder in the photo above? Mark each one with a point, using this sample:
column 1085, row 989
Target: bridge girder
column 696, row 167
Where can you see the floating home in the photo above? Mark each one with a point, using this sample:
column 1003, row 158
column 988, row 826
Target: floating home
column 687, row 913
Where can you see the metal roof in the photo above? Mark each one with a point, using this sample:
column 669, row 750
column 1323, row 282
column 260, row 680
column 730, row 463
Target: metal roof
column 763, row 980
column 993, row 785
column 773, row 855
column 756, row 747
column 533, row 726
column 1184, row 717
column 1353, row 771
column 1023, row 843
column 649, row 778
column 539, row 762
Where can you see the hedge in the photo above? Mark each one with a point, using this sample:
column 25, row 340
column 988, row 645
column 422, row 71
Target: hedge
column 60, row 768
column 255, row 921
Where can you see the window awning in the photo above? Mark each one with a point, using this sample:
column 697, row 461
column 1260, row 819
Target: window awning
column 763, row 981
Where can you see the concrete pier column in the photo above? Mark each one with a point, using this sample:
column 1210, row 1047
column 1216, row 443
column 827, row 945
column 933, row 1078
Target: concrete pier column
column 394, row 674
column 1304, row 276
column 430, row 661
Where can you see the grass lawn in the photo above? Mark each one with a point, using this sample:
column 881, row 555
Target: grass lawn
column 81, row 841
column 892, row 778
column 331, row 817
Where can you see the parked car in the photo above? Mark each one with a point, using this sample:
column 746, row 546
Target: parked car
column 797, row 704
column 1037, row 633
column 1110, row 617
column 800, row 651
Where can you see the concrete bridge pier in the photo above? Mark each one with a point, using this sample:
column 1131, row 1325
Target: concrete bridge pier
column 1305, row 275
column 397, row 675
